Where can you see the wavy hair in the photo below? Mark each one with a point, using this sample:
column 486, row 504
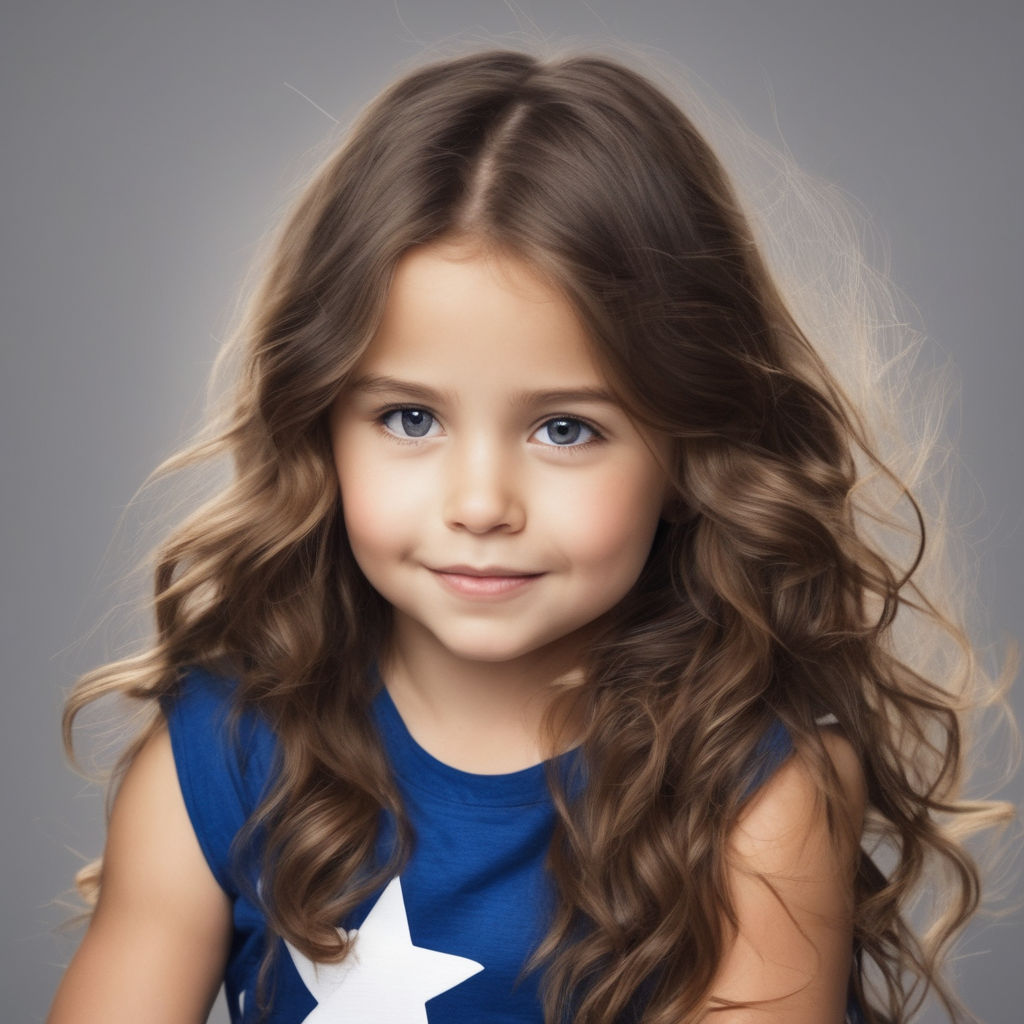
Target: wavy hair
column 769, row 593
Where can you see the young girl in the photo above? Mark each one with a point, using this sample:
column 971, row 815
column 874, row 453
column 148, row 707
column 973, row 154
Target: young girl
column 536, row 663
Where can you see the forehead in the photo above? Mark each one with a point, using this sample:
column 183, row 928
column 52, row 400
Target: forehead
column 478, row 314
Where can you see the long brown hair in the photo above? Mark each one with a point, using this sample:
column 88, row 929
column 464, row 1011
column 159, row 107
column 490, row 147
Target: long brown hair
column 764, row 597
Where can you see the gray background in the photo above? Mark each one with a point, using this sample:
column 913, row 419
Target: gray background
column 144, row 150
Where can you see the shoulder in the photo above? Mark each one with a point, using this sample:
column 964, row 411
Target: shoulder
column 223, row 759
column 790, row 865
column 149, row 827
column 159, row 935
column 788, row 809
column 206, row 721
column 199, row 694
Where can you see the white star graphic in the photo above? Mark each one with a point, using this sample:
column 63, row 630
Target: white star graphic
column 384, row 978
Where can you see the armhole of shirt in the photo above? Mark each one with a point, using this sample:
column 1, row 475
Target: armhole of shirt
column 209, row 768
column 773, row 749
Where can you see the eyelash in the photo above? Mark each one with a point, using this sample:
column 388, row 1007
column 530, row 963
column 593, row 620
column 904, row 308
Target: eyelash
column 384, row 414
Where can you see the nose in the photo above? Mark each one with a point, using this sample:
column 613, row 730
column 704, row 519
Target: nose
column 482, row 489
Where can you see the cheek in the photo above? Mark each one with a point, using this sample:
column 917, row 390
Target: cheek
column 614, row 523
column 372, row 504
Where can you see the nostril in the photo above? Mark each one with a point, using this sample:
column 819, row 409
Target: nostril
column 481, row 514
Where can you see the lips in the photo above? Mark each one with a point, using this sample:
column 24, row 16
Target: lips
column 484, row 581
column 486, row 571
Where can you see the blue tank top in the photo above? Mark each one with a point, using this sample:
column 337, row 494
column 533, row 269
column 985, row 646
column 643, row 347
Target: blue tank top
column 444, row 942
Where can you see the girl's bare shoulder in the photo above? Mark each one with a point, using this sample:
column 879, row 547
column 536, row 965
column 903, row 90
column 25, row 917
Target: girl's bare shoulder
column 158, row 940
column 789, row 804
column 790, row 878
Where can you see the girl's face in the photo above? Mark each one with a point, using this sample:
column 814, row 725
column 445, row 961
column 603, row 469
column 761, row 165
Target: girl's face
column 494, row 492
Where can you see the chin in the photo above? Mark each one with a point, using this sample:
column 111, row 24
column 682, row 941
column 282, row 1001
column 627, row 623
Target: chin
column 499, row 647
column 494, row 649
column 488, row 653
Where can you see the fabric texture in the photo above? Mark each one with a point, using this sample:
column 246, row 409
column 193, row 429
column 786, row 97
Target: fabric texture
column 445, row 942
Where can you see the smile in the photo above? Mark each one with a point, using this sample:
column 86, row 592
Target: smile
column 485, row 582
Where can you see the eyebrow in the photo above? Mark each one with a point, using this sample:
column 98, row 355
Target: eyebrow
column 376, row 384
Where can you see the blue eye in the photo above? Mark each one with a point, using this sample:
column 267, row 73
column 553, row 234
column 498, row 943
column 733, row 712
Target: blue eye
column 565, row 432
column 409, row 422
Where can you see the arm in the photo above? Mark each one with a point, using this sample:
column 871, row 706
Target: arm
column 794, row 947
column 158, row 941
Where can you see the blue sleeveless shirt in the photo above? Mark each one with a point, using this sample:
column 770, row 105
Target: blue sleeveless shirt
column 444, row 943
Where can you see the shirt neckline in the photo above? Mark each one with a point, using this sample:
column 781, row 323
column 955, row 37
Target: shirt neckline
column 420, row 770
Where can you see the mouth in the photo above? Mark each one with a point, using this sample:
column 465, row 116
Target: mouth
column 484, row 581
column 487, row 571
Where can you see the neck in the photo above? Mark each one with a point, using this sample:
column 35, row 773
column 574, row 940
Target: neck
column 478, row 716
